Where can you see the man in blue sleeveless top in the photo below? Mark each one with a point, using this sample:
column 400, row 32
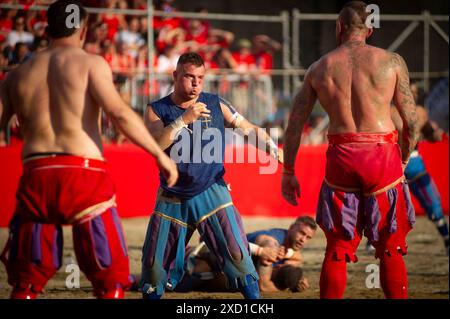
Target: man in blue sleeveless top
column 200, row 199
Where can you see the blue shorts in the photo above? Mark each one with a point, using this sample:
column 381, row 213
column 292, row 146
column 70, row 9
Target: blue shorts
column 220, row 226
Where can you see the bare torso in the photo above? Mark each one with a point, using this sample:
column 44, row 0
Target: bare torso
column 355, row 84
column 49, row 93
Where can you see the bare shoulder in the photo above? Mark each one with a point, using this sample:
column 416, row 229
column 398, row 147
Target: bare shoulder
column 315, row 67
column 97, row 63
column 329, row 64
column 378, row 51
column 324, row 61
column 77, row 57
column 387, row 62
column 396, row 60
column 81, row 56
column 96, row 59
column 329, row 60
column 264, row 239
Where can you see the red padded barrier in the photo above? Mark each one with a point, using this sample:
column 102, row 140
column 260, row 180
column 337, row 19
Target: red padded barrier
column 136, row 178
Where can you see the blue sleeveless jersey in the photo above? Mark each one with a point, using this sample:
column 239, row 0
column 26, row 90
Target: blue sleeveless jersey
column 277, row 233
column 195, row 175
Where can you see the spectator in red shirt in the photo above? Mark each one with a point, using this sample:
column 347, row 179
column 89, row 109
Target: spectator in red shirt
column 168, row 31
column 263, row 50
column 169, row 37
column 196, row 34
column 97, row 35
column 219, row 39
column 124, row 63
column 244, row 58
column 114, row 21
column 139, row 4
column 6, row 23
column 169, row 22
column 202, row 38
column 223, row 59
column 35, row 19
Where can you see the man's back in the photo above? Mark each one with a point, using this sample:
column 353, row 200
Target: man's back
column 355, row 84
column 364, row 174
column 50, row 95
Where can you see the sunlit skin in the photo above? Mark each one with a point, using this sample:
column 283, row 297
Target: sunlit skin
column 188, row 82
column 299, row 235
column 67, row 119
column 355, row 84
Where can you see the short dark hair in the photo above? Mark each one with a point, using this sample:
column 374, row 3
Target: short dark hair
column 353, row 16
column 191, row 58
column 306, row 220
column 287, row 277
column 57, row 15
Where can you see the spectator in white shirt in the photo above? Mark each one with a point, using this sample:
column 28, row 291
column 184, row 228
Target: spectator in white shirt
column 18, row 34
column 131, row 38
column 166, row 64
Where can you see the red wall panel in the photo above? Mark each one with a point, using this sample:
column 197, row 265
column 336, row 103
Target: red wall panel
column 136, row 178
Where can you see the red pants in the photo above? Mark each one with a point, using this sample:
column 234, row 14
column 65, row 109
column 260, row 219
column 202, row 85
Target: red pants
column 364, row 192
column 59, row 190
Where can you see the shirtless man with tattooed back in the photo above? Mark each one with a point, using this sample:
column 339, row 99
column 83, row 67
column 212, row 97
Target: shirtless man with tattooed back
column 364, row 186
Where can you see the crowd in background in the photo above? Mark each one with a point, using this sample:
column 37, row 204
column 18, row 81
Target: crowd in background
column 122, row 41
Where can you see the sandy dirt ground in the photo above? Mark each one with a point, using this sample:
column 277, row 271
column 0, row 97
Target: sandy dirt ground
column 427, row 264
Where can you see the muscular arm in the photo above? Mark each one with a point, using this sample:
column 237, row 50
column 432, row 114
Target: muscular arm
column 265, row 269
column 164, row 136
column 102, row 90
column 262, row 141
column 303, row 105
column 404, row 102
column 430, row 130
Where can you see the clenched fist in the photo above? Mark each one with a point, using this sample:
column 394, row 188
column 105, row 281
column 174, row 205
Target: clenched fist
column 195, row 111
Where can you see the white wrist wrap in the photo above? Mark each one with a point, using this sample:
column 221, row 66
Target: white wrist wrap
column 178, row 125
column 255, row 249
column 237, row 119
column 273, row 148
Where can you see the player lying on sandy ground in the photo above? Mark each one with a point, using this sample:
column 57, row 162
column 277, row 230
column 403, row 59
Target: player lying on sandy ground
column 276, row 254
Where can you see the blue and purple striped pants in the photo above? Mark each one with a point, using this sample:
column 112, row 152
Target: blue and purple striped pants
column 171, row 226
